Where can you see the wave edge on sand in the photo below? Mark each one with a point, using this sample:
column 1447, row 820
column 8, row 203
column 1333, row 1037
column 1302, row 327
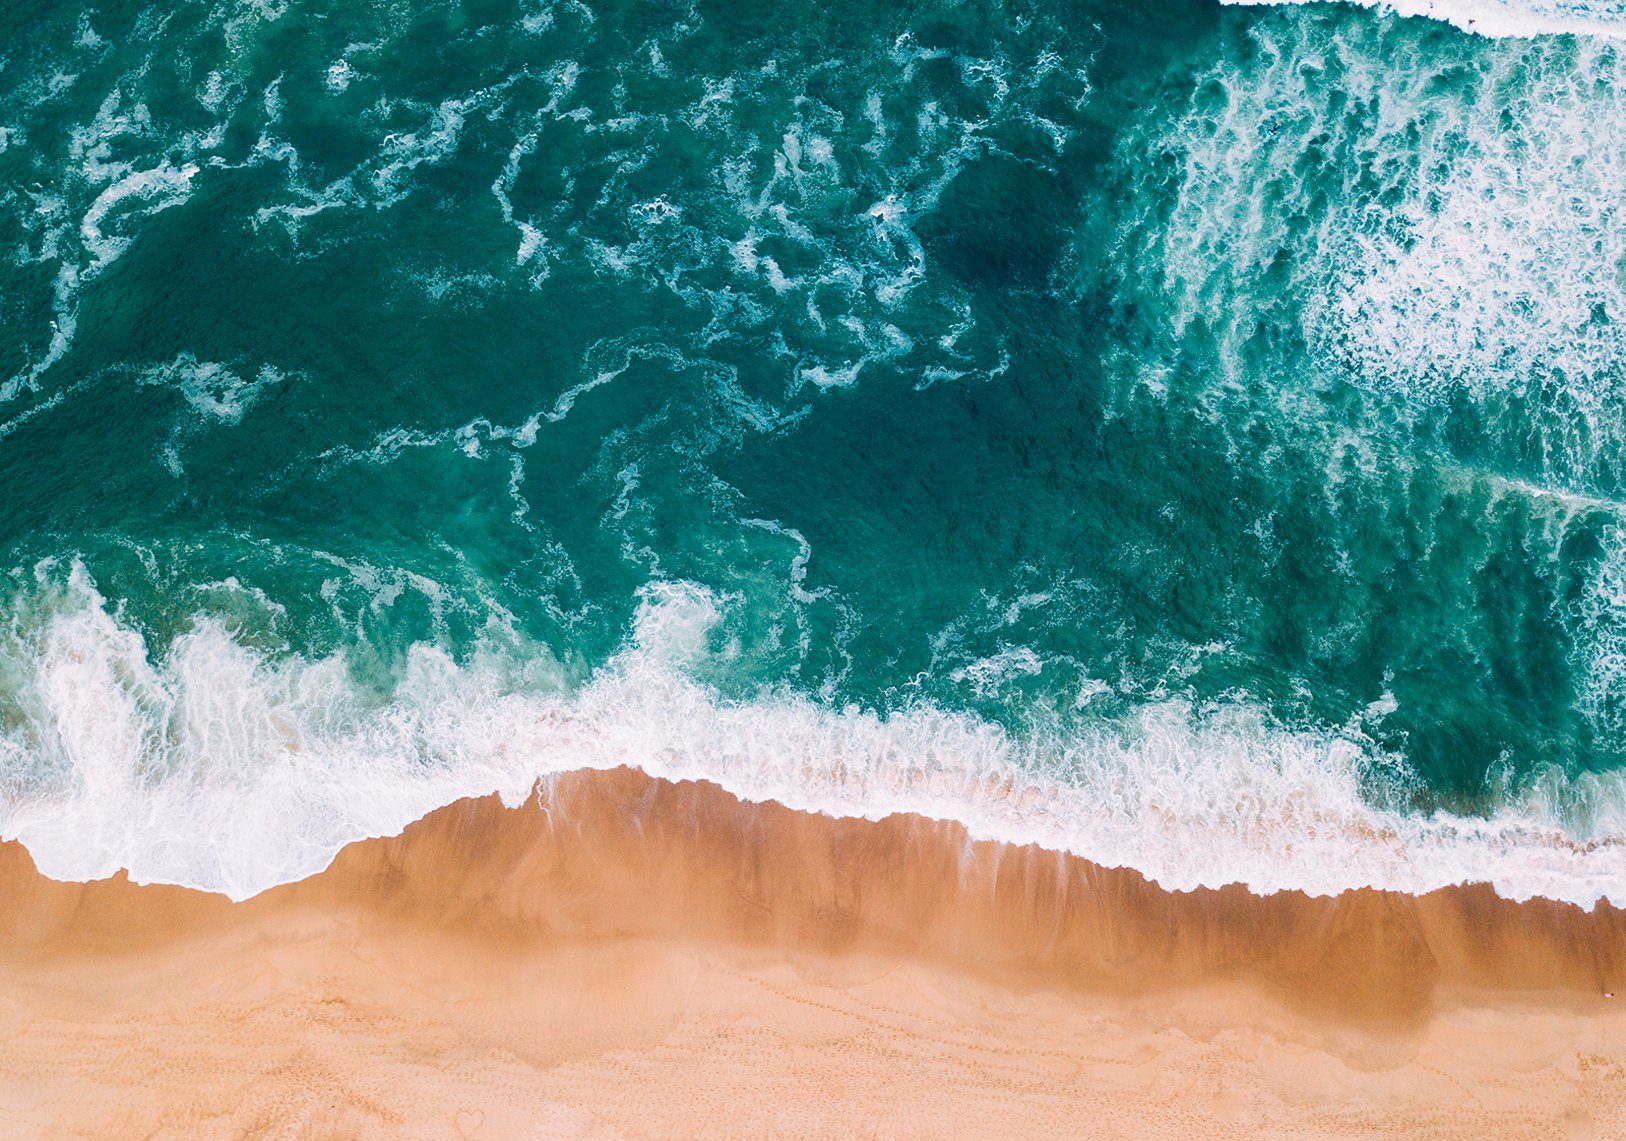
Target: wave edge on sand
column 212, row 765
column 629, row 955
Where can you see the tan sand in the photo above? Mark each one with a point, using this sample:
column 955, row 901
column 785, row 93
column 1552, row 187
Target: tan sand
column 643, row 958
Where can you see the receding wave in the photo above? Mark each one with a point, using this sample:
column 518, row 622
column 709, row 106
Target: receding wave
column 216, row 766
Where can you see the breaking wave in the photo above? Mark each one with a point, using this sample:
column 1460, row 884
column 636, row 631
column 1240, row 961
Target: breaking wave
column 1506, row 18
column 220, row 767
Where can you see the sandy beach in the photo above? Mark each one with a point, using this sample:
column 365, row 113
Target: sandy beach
column 630, row 957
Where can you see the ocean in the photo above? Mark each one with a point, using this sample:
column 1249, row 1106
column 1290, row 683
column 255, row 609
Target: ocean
column 1187, row 436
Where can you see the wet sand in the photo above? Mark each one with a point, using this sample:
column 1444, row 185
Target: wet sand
column 627, row 956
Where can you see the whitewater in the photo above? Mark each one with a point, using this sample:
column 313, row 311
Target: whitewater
column 1522, row 19
column 217, row 769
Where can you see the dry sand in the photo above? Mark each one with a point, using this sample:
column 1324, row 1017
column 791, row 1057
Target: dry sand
column 636, row 957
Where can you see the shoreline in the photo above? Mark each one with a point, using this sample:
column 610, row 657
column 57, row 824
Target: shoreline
column 556, row 965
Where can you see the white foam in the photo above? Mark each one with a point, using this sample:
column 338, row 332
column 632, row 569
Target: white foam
column 385, row 178
column 1600, row 617
column 1501, row 276
column 1444, row 231
column 215, row 766
column 403, row 152
column 1440, row 229
column 123, row 191
column 339, row 74
column 1504, row 18
column 213, row 390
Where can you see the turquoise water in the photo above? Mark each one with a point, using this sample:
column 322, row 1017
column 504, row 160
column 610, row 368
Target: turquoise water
column 1187, row 435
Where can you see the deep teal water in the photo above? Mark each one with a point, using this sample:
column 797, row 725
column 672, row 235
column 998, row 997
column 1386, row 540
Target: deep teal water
column 1050, row 370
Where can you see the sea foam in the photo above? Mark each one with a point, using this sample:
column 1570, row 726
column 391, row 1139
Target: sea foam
column 1505, row 18
column 1439, row 232
column 215, row 765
